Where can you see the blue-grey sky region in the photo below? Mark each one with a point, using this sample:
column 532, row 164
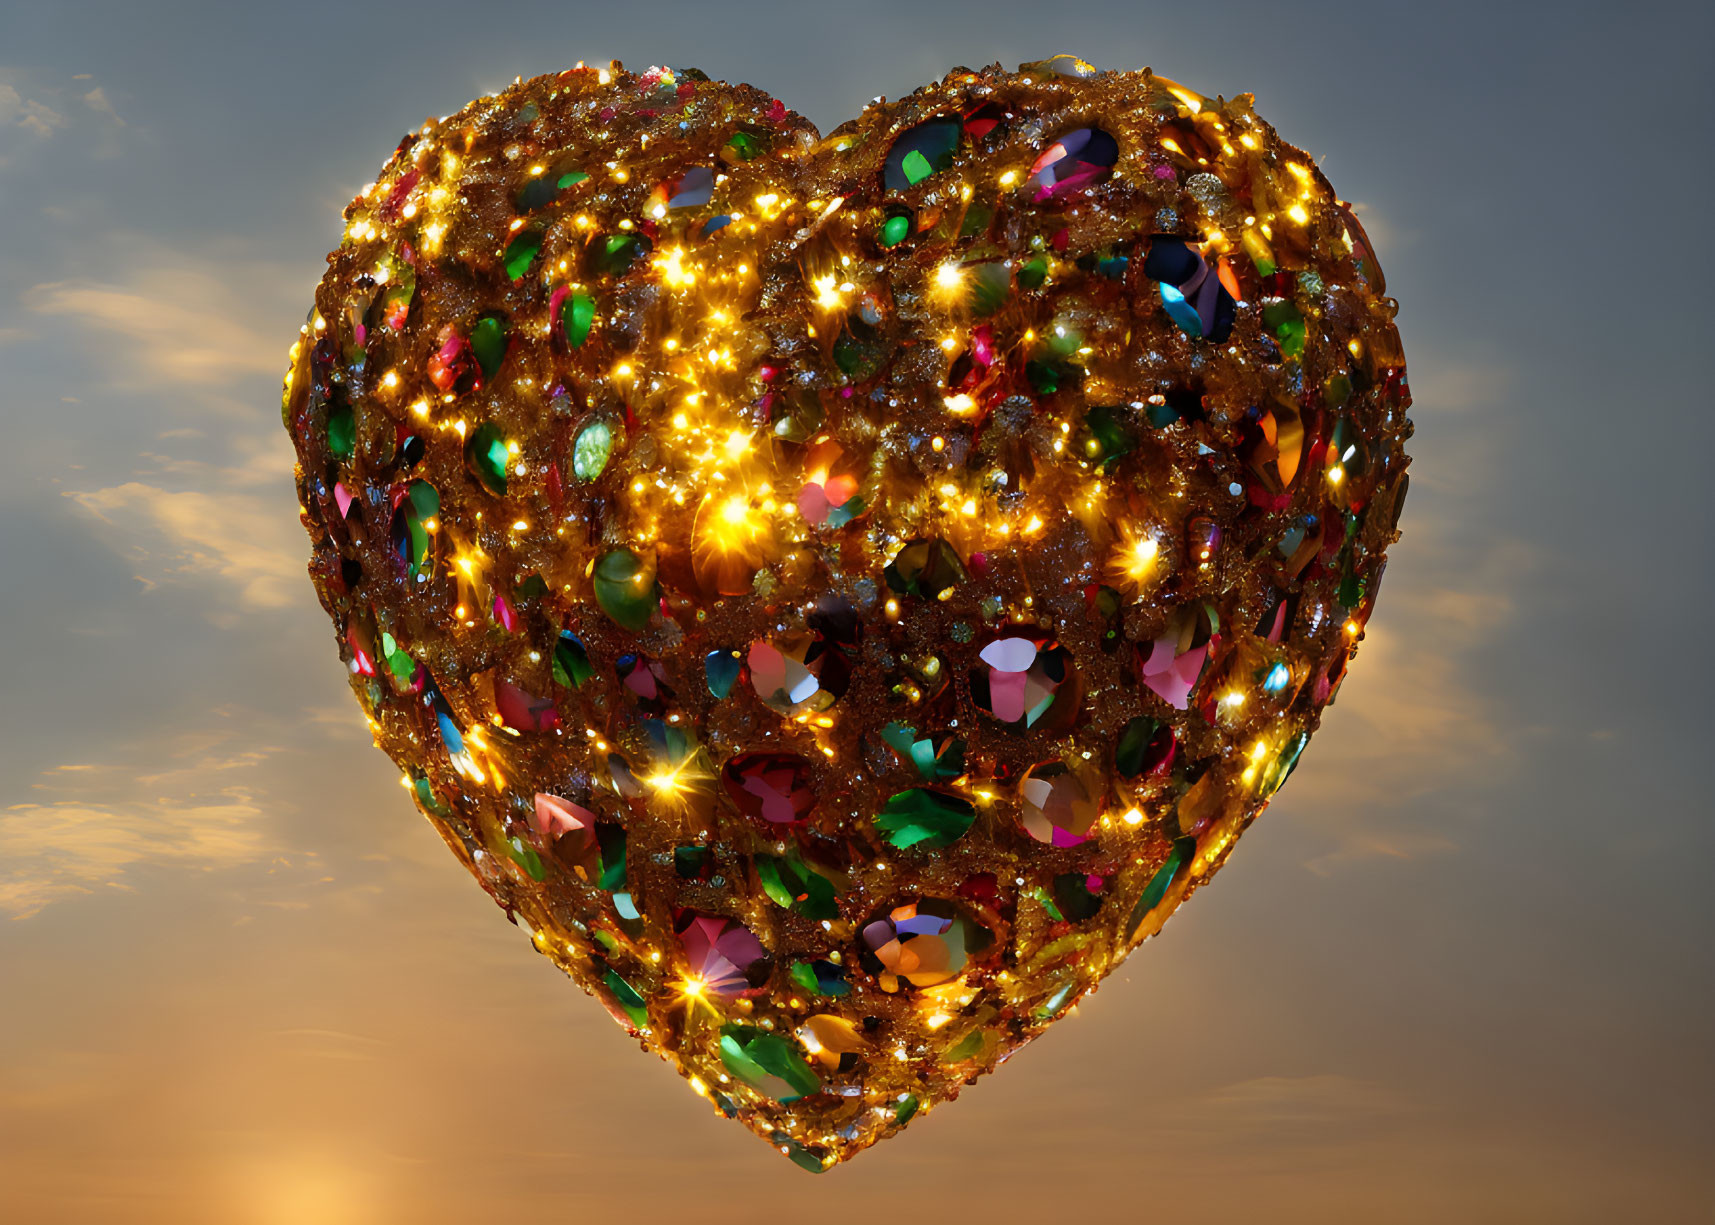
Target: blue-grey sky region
column 1461, row 970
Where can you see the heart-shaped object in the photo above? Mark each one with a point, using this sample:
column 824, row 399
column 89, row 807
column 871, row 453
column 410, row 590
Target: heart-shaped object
column 842, row 594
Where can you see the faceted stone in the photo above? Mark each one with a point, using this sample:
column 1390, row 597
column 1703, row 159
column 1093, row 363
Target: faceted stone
column 722, row 955
column 568, row 830
column 486, row 455
column 692, row 189
column 768, row 1062
column 1181, row 854
column 743, row 146
column 770, row 787
column 920, row 152
column 797, row 673
column 924, row 943
column 523, row 711
column 834, row 1042
column 1146, row 746
column 1192, row 293
column 488, row 341
column 1074, row 163
column 1023, row 674
column 614, row 254
column 1286, row 322
column 577, row 314
column 1174, row 662
column 630, row 1004
column 928, row 568
column 342, row 431
column 591, row 450
column 934, row 763
column 924, row 817
column 624, row 584
column 1055, row 806
column 409, row 530
column 521, row 252
column 721, row 669
column 821, row 978
column 572, row 665
column 791, row 883
column 1078, row 895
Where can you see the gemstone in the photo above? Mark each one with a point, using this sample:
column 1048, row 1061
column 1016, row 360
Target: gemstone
column 1146, row 746
column 409, row 530
column 821, row 978
column 1181, row 854
column 723, row 956
column 920, row 152
column 523, row 711
column 486, row 455
column 769, row 787
column 926, row 943
column 342, row 431
column 521, row 252
column 693, row 189
column 627, row 998
column 591, row 450
column 928, row 568
column 935, row 764
column 797, row 673
column 1192, row 293
column 488, row 340
column 895, row 230
column 1078, row 895
column 794, row 885
column 924, row 817
column 1024, row 674
column 613, row 254
column 722, row 669
column 768, row 1062
column 624, row 584
column 572, row 665
column 1172, row 664
column 524, row 855
column 833, row 1041
column 1078, row 160
column 568, row 830
column 1286, row 323
column 1055, row 805
column 744, row 146
column 577, row 313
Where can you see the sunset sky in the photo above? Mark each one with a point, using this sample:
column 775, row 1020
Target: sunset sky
column 1462, row 970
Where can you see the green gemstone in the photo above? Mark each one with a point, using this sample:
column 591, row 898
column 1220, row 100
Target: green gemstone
column 521, row 253
column 342, row 431
column 591, row 450
column 768, row 1062
column 485, row 454
column 1286, row 321
column 1181, row 854
column 926, row 568
column 744, row 145
column 625, row 588
column 967, row 1047
column 802, row 1156
column 820, row 978
column 424, row 499
column 488, row 343
column 427, row 798
column 895, row 230
column 689, row 861
column 610, row 839
column 1133, row 746
column 576, row 315
column 990, row 286
column 916, row 167
column 571, row 661
column 617, row 252
column 570, row 179
column 907, row 1107
column 1109, row 432
column 794, row 885
column 526, row 857
column 627, row 997
column 1034, row 272
column 921, row 817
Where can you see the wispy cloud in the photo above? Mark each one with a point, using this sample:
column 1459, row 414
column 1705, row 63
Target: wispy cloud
column 28, row 115
column 93, row 826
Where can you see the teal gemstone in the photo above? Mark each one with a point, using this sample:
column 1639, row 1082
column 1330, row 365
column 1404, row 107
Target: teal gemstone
column 628, row 998
column 1184, row 849
column 342, row 431
column 722, row 668
column 426, row 796
column 895, row 230
column 591, row 450
column 625, row 588
column 521, row 252
column 768, row 1062
column 577, row 313
column 488, row 344
column 921, row 817
column 486, row 455
column 572, row 665
column 1181, row 311
column 821, row 978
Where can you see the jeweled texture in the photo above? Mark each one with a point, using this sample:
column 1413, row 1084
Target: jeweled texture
column 841, row 594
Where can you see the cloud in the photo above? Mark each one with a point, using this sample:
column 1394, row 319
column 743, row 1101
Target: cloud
column 37, row 118
column 174, row 323
column 203, row 814
column 96, row 100
column 250, row 543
